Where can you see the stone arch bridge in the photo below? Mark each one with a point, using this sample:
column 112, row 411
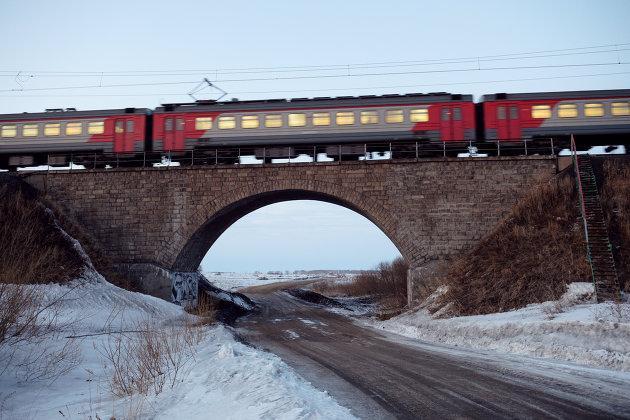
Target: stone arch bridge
column 160, row 221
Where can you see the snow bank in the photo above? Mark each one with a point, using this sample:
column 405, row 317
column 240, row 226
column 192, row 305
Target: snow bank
column 225, row 379
column 234, row 381
column 574, row 328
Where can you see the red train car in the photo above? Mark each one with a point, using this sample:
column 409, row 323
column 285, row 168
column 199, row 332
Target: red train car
column 556, row 114
column 414, row 117
column 28, row 138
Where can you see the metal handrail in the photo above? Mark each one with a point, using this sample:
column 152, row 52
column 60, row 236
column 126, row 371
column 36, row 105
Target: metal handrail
column 319, row 153
column 578, row 180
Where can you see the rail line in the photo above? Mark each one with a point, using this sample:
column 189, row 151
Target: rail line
column 304, row 154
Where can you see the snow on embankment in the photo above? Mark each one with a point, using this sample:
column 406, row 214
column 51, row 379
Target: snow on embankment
column 573, row 328
column 223, row 379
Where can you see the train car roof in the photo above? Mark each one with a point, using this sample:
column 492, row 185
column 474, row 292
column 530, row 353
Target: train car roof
column 574, row 94
column 316, row 102
column 60, row 114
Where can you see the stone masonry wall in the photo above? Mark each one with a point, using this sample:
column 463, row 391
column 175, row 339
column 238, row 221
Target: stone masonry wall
column 430, row 209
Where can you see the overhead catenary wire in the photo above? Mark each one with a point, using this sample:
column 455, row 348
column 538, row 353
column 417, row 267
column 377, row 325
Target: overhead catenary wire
column 335, row 68
column 610, row 48
column 470, row 82
column 324, row 76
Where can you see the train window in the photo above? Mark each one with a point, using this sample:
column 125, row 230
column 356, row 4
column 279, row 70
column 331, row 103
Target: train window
column 179, row 124
column 501, row 112
column 321, row 118
column 119, row 127
column 250, row 121
column 419, row 115
column 369, row 117
column 30, row 130
column 619, row 109
column 168, row 124
column 226, row 123
column 457, row 113
column 297, row 120
column 9, row 131
column 74, row 129
column 594, row 110
column 96, row 127
column 567, row 111
column 131, row 125
column 394, row 116
column 273, row 120
column 446, row 113
column 513, row 112
column 541, row 111
column 52, row 129
column 344, row 118
column 203, row 123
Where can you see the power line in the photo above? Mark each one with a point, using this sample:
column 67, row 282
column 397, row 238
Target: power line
column 325, row 76
column 102, row 86
column 333, row 89
column 612, row 48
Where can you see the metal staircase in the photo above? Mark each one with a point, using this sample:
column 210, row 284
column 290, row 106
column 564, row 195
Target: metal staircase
column 599, row 249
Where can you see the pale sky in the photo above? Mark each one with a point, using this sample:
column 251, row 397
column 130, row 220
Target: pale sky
column 321, row 48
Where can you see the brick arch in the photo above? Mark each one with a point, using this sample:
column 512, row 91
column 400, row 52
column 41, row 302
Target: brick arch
column 206, row 224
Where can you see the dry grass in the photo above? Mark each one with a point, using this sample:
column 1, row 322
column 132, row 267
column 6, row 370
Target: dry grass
column 32, row 248
column 615, row 194
column 528, row 258
column 206, row 310
column 387, row 284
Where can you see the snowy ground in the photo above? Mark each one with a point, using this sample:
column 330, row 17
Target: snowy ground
column 234, row 281
column 573, row 328
column 223, row 379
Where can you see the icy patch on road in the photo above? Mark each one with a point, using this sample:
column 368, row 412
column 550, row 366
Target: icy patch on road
column 292, row 335
column 574, row 328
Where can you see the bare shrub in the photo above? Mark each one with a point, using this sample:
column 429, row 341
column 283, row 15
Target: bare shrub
column 150, row 357
column 615, row 195
column 387, row 284
column 31, row 342
column 33, row 249
column 527, row 259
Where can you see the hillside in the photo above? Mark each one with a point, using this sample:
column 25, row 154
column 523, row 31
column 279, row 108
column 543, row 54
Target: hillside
column 529, row 258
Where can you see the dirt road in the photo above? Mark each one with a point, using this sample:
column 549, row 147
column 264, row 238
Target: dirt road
column 387, row 376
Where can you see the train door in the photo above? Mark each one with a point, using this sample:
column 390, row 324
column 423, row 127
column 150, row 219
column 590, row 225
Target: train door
column 123, row 135
column 451, row 123
column 173, row 133
column 508, row 122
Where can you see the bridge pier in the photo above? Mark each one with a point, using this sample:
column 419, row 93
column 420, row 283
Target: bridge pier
column 180, row 288
column 419, row 278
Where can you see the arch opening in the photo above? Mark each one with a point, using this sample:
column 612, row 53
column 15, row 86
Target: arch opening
column 209, row 232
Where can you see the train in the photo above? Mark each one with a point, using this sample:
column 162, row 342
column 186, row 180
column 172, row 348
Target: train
column 28, row 139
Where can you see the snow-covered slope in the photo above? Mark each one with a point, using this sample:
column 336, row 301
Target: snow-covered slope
column 574, row 328
column 224, row 379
